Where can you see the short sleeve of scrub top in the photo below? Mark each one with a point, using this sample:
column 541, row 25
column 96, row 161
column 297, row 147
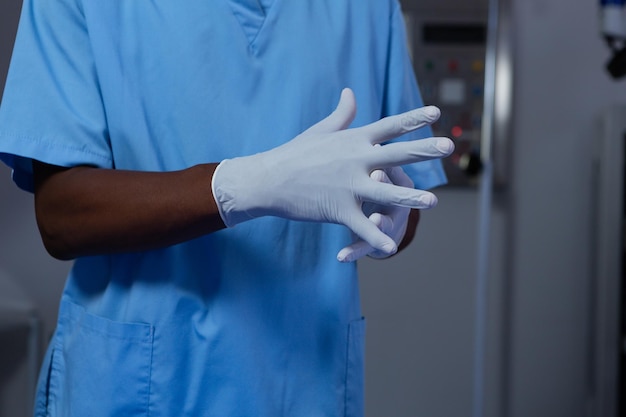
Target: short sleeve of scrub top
column 52, row 109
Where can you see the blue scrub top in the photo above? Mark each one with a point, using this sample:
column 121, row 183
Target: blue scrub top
column 257, row 320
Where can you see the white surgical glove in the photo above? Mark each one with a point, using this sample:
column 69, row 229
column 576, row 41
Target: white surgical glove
column 391, row 220
column 323, row 174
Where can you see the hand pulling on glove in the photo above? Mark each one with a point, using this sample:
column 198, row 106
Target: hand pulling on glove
column 323, row 174
column 391, row 220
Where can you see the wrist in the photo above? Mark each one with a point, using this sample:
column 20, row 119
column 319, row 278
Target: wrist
column 237, row 191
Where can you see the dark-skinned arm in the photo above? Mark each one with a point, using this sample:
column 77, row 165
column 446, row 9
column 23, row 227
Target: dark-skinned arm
column 411, row 229
column 87, row 211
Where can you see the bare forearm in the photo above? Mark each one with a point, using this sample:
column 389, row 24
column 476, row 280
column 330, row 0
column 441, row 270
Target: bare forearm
column 87, row 211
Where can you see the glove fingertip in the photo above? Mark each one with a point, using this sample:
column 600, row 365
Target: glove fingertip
column 377, row 219
column 355, row 251
column 344, row 255
column 373, row 237
column 389, row 248
column 432, row 112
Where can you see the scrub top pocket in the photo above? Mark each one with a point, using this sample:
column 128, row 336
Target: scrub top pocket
column 98, row 367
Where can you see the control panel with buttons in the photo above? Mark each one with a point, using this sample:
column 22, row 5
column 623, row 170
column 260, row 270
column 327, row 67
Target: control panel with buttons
column 449, row 62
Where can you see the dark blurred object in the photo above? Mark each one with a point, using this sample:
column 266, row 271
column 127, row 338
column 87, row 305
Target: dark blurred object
column 617, row 64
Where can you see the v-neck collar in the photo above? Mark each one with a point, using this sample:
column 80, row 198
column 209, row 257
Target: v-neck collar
column 251, row 15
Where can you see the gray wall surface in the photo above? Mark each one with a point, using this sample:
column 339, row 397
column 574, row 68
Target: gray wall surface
column 420, row 305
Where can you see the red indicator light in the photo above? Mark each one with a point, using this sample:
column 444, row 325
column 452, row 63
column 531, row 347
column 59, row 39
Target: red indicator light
column 457, row 131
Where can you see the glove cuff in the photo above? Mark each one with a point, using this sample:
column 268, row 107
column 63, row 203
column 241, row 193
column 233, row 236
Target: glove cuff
column 224, row 189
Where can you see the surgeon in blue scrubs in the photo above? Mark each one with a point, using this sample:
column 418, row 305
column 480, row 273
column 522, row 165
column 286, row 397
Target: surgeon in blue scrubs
column 193, row 160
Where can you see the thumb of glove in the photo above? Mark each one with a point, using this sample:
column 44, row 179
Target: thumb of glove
column 340, row 118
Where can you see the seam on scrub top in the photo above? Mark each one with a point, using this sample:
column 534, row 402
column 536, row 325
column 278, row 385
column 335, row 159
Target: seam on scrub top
column 149, row 405
column 53, row 144
column 345, row 382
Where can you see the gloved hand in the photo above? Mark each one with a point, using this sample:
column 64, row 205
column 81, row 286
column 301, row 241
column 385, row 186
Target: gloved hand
column 391, row 220
column 323, row 174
